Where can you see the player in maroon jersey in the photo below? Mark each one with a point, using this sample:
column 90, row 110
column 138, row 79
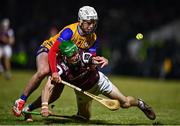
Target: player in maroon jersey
column 79, row 68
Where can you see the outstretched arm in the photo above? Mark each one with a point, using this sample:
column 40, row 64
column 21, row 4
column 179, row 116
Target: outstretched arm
column 46, row 94
column 52, row 62
column 50, row 93
column 65, row 35
column 52, row 56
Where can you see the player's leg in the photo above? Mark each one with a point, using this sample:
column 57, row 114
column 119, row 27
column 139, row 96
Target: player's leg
column 7, row 61
column 46, row 93
column 42, row 70
column 125, row 101
column 128, row 101
column 84, row 106
column 50, row 94
column 111, row 91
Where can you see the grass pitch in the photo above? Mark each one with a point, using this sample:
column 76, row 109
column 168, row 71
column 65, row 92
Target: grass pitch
column 163, row 96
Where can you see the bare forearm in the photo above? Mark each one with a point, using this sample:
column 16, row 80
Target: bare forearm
column 47, row 91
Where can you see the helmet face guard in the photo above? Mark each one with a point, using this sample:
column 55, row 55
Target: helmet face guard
column 88, row 27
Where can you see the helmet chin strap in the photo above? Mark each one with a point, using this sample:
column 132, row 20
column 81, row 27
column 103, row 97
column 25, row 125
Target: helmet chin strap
column 80, row 29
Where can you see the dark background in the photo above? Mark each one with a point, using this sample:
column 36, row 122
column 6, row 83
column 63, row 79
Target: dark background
column 119, row 22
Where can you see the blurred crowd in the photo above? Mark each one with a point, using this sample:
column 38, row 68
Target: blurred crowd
column 119, row 22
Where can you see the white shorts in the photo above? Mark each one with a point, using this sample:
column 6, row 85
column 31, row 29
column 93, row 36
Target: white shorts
column 5, row 51
column 103, row 86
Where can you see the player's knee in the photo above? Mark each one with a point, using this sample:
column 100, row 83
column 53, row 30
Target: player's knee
column 43, row 72
column 125, row 103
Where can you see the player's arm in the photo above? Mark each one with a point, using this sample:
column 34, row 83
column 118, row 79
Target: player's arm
column 46, row 94
column 52, row 61
column 65, row 35
column 11, row 40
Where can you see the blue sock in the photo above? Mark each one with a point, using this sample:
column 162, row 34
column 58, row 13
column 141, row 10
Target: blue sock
column 23, row 97
column 31, row 107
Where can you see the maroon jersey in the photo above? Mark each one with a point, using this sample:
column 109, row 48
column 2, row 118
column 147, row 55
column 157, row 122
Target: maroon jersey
column 80, row 75
column 4, row 35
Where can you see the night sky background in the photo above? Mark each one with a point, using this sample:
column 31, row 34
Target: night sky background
column 119, row 22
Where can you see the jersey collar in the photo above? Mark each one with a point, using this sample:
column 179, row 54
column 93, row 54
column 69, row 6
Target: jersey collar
column 80, row 31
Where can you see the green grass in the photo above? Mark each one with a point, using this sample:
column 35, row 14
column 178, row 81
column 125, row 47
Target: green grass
column 163, row 96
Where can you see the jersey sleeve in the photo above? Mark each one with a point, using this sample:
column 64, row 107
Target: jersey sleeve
column 65, row 35
column 93, row 49
column 52, row 56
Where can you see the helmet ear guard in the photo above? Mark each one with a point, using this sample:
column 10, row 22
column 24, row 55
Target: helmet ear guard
column 81, row 21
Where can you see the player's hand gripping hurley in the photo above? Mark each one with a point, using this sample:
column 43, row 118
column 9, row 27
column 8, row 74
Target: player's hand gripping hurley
column 111, row 104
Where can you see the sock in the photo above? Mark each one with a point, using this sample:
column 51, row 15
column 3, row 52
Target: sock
column 141, row 104
column 31, row 107
column 23, row 97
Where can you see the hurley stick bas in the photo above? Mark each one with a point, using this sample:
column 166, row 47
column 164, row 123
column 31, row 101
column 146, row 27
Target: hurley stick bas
column 111, row 104
column 51, row 114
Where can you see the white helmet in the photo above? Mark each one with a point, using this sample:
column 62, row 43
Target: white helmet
column 87, row 13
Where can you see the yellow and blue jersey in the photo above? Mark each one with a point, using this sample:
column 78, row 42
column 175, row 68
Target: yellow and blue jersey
column 71, row 32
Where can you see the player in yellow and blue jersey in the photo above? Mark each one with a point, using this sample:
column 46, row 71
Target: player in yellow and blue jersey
column 81, row 33
column 85, row 39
